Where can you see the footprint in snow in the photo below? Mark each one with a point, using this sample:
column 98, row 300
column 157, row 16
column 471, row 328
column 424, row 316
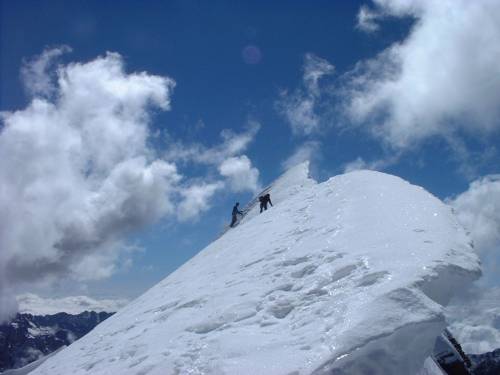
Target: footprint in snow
column 194, row 303
column 372, row 278
column 307, row 270
column 138, row 361
column 285, row 288
column 333, row 258
column 294, row 261
column 280, row 309
column 253, row 263
column 344, row 272
column 145, row 370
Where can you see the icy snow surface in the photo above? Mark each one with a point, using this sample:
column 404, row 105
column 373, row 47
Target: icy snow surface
column 342, row 277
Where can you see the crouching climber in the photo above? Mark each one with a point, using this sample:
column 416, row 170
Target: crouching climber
column 264, row 200
column 235, row 214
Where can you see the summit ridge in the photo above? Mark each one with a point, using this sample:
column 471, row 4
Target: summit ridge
column 332, row 279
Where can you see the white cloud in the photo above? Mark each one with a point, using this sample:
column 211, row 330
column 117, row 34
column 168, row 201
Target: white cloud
column 367, row 19
column 300, row 114
column 375, row 165
column 356, row 165
column 77, row 172
column 474, row 319
column 240, row 173
column 478, row 209
column 196, row 200
column 232, row 144
column 307, row 151
column 227, row 157
column 315, row 68
column 442, row 79
column 300, row 107
column 30, row 303
column 37, row 74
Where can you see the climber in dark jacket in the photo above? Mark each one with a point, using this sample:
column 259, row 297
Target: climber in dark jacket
column 264, row 200
column 235, row 213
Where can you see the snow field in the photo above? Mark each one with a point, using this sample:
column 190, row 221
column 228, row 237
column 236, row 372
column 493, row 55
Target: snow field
column 342, row 277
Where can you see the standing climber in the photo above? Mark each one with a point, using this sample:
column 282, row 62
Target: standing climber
column 264, row 200
column 235, row 213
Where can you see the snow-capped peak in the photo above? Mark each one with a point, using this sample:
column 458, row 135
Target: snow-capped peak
column 346, row 275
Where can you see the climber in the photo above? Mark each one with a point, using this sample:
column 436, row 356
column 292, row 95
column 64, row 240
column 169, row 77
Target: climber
column 264, row 200
column 235, row 213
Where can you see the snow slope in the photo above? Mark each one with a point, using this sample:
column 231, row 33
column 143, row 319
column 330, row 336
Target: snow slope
column 345, row 277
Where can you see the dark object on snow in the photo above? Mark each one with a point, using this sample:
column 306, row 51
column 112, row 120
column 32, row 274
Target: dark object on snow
column 449, row 356
column 28, row 337
column 264, row 200
column 235, row 214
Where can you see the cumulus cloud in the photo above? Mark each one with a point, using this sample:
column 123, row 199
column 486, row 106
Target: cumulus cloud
column 356, row 165
column 240, row 174
column 315, row 68
column 226, row 157
column 300, row 107
column 474, row 319
column 232, row 144
column 478, row 209
column 37, row 75
column 307, row 151
column 77, row 172
column 367, row 19
column 441, row 80
column 196, row 199
column 376, row 165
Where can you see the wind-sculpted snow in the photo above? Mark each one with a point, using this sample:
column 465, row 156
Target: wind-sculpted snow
column 346, row 277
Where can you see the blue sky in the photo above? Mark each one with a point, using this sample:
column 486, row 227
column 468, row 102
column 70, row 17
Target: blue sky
column 389, row 88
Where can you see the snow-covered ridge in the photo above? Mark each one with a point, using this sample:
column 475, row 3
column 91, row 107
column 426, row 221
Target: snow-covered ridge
column 338, row 277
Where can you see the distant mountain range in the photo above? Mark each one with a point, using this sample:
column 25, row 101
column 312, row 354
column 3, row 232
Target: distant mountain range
column 28, row 337
column 486, row 363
